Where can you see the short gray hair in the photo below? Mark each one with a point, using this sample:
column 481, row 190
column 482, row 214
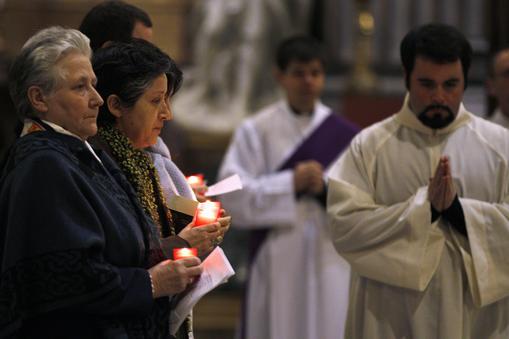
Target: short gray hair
column 35, row 65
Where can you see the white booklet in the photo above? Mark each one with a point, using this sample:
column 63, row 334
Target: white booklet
column 216, row 270
column 227, row 185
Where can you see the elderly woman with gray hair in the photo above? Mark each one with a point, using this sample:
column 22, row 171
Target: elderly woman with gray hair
column 78, row 256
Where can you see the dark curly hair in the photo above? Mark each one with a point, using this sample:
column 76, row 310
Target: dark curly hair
column 439, row 43
column 127, row 69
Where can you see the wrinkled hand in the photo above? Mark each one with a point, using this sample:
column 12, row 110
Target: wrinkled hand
column 225, row 222
column 308, row 177
column 171, row 277
column 199, row 192
column 201, row 237
column 441, row 190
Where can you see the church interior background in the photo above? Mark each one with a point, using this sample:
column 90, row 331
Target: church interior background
column 225, row 48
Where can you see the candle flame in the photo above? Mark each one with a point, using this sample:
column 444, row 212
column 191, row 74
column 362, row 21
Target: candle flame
column 179, row 253
column 195, row 179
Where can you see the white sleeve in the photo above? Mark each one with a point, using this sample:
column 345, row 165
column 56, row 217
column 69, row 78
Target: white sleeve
column 267, row 199
column 394, row 244
column 486, row 258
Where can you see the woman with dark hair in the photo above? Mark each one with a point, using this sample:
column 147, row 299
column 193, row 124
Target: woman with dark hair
column 78, row 257
column 131, row 119
column 137, row 81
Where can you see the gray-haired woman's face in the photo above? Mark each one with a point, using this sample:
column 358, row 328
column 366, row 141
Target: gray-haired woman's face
column 74, row 103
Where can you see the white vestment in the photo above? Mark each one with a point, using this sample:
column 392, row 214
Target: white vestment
column 412, row 278
column 298, row 285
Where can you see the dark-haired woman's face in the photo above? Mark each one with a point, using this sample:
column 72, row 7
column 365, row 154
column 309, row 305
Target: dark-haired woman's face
column 142, row 123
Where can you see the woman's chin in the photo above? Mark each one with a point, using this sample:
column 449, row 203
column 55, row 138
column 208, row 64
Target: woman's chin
column 88, row 132
column 153, row 140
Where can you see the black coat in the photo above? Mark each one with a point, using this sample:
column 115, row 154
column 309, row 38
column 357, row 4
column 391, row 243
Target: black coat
column 74, row 246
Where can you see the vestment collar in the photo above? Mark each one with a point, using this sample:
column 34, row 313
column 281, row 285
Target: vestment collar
column 408, row 118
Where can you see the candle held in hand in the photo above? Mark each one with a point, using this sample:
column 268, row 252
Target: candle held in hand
column 195, row 180
column 180, row 253
column 207, row 212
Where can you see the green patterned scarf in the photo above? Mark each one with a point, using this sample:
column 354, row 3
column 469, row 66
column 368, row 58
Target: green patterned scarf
column 141, row 173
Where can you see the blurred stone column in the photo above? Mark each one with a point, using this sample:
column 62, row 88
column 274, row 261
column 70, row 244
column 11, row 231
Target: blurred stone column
column 340, row 29
column 449, row 12
column 362, row 78
column 398, row 24
column 423, row 11
column 393, row 19
column 473, row 24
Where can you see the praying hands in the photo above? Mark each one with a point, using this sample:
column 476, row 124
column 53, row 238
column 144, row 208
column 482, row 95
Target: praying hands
column 441, row 190
column 308, row 177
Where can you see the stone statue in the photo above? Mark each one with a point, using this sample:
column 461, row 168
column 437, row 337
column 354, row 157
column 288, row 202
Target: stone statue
column 233, row 57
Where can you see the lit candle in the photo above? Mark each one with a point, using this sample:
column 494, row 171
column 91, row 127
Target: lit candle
column 207, row 212
column 195, row 180
column 180, row 253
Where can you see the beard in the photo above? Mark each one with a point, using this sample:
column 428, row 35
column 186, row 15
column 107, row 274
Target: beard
column 436, row 121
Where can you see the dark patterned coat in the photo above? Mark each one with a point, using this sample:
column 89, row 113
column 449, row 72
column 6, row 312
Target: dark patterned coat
column 74, row 246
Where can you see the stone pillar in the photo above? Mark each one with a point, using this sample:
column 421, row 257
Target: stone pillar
column 339, row 31
column 448, row 12
column 399, row 24
column 423, row 11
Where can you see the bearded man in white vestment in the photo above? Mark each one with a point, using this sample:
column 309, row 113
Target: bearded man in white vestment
column 498, row 86
column 298, row 286
column 420, row 207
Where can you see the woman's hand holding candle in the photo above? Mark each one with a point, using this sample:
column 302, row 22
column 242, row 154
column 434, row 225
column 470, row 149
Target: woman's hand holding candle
column 198, row 185
column 199, row 192
column 185, row 252
column 225, row 221
column 202, row 237
column 207, row 212
column 170, row 277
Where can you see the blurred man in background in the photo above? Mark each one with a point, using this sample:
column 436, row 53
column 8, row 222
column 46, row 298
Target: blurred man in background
column 498, row 86
column 298, row 285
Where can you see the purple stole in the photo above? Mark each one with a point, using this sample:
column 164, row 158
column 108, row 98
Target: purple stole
column 324, row 145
